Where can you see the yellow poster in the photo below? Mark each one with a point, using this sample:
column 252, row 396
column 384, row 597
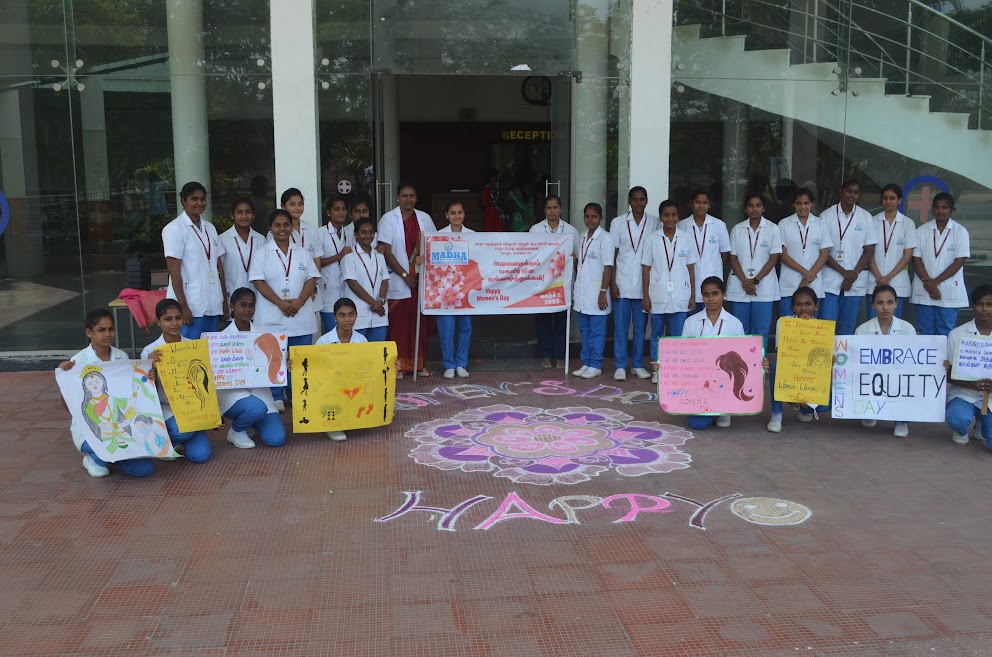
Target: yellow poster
column 338, row 387
column 805, row 356
column 184, row 371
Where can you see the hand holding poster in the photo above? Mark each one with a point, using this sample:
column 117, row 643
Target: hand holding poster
column 338, row 387
column 247, row 360
column 972, row 358
column 805, row 353
column 115, row 409
column 184, row 371
column 889, row 377
column 711, row 376
column 496, row 273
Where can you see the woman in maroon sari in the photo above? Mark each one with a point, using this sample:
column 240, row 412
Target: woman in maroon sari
column 399, row 236
column 492, row 204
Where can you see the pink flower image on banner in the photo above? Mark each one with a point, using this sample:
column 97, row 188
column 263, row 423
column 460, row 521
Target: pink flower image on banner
column 538, row 446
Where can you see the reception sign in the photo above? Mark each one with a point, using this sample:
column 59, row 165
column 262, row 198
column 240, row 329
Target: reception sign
column 710, row 376
column 805, row 353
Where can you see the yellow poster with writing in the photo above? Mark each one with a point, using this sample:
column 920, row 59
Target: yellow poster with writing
column 339, row 387
column 188, row 382
column 805, row 356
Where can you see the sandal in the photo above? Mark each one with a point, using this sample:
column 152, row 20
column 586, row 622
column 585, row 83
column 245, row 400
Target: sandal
column 423, row 373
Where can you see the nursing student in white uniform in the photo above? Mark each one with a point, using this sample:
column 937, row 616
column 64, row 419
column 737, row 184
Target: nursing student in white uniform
column 192, row 255
column 943, row 246
column 336, row 242
column 845, row 279
column 711, row 239
column 304, row 235
column 285, row 277
column 240, row 243
column 249, row 408
column 713, row 320
column 591, row 294
column 668, row 278
column 896, row 234
column 551, row 326
column 628, row 233
column 755, row 248
column 345, row 315
column 964, row 398
column 367, row 279
column 805, row 249
column 885, row 322
column 454, row 331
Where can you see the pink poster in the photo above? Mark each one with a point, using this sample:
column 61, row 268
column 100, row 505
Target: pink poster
column 711, row 376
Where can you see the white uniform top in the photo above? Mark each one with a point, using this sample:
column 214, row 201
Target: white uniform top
column 710, row 242
column 369, row 271
column 237, row 258
column 802, row 244
column 630, row 238
column 965, row 330
column 332, row 285
column 199, row 249
column 271, row 267
column 162, row 399
column 858, row 229
column 331, row 337
column 88, row 357
column 391, row 232
column 594, row 256
column 699, row 325
column 754, row 248
column 564, row 228
column 893, row 240
column 447, row 229
column 228, row 397
column 307, row 239
column 898, row 327
column 669, row 260
column 938, row 251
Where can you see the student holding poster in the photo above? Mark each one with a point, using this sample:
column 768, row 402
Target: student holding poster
column 170, row 319
column 591, row 295
column 755, row 247
column 805, row 249
column 896, row 234
column 964, row 398
column 804, row 306
column 452, row 329
column 367, row 277
column 943, row 246
column 551, row 326
column 343, row 332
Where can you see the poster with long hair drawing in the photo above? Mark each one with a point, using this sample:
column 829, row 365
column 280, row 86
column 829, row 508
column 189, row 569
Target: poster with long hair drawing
column 115, row 409
column 247, row 360
column 711, row 376
column 188, row 382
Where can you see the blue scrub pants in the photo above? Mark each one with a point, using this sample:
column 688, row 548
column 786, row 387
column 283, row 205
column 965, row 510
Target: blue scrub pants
column 700, row 422
column 960, row 414
column 252, row 412
column 377, row 334
column 756, row 316
column 327, row 321
column 842, row 308
column 551, row 335
column 625, row 311
column 292, row 341
column 675, row 323
column 934, row 320
column 900, row 307
column 452, row 329
column 593, row 331
column 200, row 325
column 196, row 443
column 132, row 467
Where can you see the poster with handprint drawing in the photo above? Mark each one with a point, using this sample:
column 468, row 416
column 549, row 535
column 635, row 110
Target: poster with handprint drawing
column 711, row 376
column 115, row 409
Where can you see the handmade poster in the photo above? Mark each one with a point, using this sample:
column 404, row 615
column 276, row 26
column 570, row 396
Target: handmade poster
column 972, row 358
column 338, row 387
column 888, row 377
column 188, row 382
column 711, row 376
column 805, row 353
column 496, row 273
column 115, row 409
column 247, row 360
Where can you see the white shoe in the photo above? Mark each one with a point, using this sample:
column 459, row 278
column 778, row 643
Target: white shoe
column 591, row 373
column 399, row 375
column 337, row 436
column 959, row 439
column 901, row 430
column 723, row 421
column 280, row 406
column 94, row 468
column 775, row 426
column 462, row 372
column 449, row 374
column 240, row 439
column 579, row 372
column 641, row 373
column 976, row 431
column 654, row 378
column 805, row 418
column 868, row 423
column 620, row 375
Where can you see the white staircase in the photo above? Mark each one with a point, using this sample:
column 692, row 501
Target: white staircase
column 808, row 92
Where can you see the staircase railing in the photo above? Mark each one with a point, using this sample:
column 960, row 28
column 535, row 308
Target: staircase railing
column 918, row 50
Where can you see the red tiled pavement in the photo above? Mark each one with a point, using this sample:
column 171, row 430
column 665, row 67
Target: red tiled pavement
column 253, row 554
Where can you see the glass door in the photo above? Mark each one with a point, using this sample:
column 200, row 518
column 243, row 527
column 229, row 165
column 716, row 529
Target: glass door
column 559, row 180
column 382, row 191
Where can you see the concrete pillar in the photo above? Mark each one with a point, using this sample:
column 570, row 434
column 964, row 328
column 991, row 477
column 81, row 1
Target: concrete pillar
column 735, row 158
column 620, row 50
column 191, row 146
column 590, row 109
column 96, row 168
column 19, row 180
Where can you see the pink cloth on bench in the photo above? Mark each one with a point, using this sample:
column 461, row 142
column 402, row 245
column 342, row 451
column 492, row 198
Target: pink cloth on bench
column 142, row 303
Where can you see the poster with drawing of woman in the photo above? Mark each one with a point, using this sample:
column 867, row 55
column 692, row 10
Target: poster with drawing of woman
column 719, row 375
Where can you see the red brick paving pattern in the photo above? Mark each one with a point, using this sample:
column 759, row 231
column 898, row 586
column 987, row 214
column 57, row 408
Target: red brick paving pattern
column 251, row 554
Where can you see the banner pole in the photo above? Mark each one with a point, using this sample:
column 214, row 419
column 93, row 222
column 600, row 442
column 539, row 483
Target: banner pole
column 420, row 301
column 568, row 333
